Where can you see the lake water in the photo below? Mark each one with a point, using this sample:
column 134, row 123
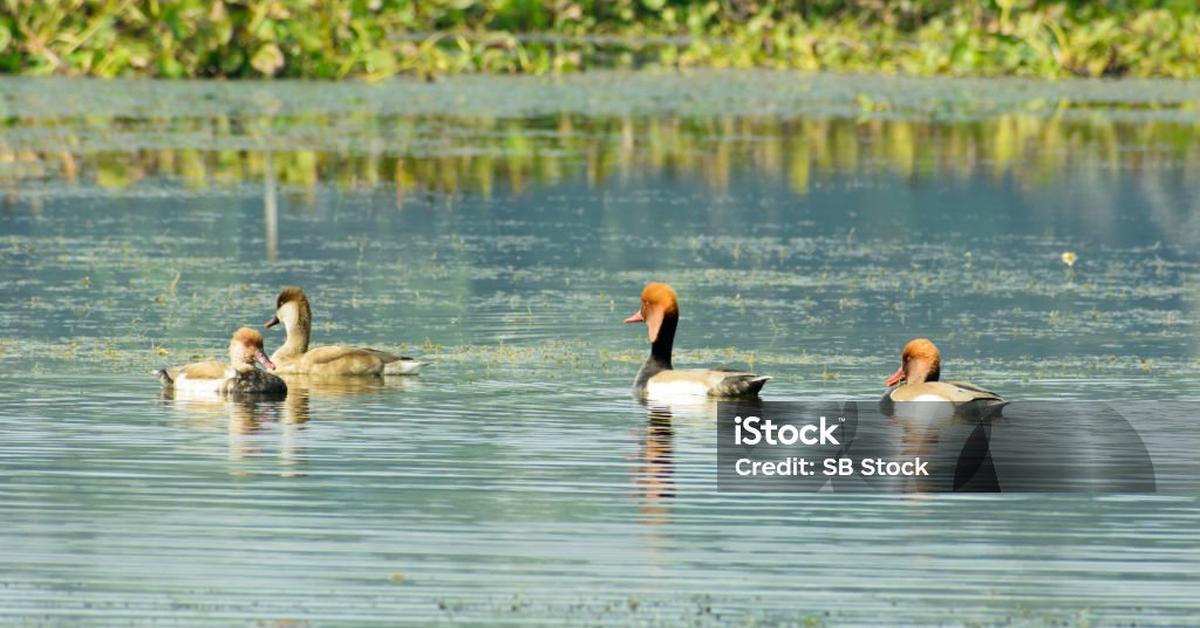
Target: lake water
column 502, row 228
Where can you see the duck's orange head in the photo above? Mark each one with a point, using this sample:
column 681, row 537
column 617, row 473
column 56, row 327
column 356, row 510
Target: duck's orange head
column 919, row 362
column 658, row 302
column 246, row 347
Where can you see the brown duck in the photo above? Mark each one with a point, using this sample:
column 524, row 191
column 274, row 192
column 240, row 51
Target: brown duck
column 294, row 357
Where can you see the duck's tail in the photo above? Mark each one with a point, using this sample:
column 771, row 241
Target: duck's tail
column 743, row 385
column 164, row 378
column 403, row 366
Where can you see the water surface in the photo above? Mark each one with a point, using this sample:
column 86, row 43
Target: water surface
column 502, row 228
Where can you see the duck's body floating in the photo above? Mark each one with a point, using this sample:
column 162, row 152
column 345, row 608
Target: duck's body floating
column 658, row 380
column 918, row 379
column 239, row 377
column 294, row 357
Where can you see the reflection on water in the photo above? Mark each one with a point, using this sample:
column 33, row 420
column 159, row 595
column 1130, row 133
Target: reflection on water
column 263, row 428
column 254, row 427
column 324, row 387
column 270, row 208
column 503, row 239
column 921, row 434
column 259, row 429
column 480, row 155
column 655, row 474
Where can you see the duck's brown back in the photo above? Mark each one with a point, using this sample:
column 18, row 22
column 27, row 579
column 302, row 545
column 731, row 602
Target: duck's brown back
column 336, row 360
column 210, row 369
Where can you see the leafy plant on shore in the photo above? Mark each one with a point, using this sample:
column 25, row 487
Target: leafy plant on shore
column 379, row 38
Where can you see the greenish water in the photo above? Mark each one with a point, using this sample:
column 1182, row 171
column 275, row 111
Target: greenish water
column 502, row 228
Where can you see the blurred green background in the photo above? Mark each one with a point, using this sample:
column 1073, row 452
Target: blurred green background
column 374, row 39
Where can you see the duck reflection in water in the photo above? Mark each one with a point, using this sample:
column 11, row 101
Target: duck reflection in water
column 250, row 426
column 304, row 388
column 249, row 423
column 655, row 473
column 955, row 445
column 251, row 420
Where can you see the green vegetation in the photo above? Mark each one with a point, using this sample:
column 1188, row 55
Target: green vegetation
column 375, row 39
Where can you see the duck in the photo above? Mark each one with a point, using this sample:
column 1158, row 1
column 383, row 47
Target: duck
column 294, row 357
column 239, row 377
column 919, row 379
column 658, row 380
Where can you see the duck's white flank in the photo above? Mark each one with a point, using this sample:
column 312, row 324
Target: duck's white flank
column 675, row 390
column 203, row 386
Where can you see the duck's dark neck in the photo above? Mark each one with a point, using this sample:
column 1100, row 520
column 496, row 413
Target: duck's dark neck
column 660, row 355
column 660, row 349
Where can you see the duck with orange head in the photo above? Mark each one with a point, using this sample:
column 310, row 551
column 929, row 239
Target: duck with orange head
column 239, row 377
column 658, row 380
column 919, row 379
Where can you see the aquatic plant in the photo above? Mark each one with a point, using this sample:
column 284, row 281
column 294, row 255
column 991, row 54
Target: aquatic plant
column 374, row 39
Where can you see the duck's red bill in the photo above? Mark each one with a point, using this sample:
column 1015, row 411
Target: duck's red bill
column 896, row 377
column 636, row 318
column 264, row 360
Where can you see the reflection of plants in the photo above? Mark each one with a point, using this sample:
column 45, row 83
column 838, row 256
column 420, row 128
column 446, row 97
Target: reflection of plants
column 454, row 154
column 379, row 38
